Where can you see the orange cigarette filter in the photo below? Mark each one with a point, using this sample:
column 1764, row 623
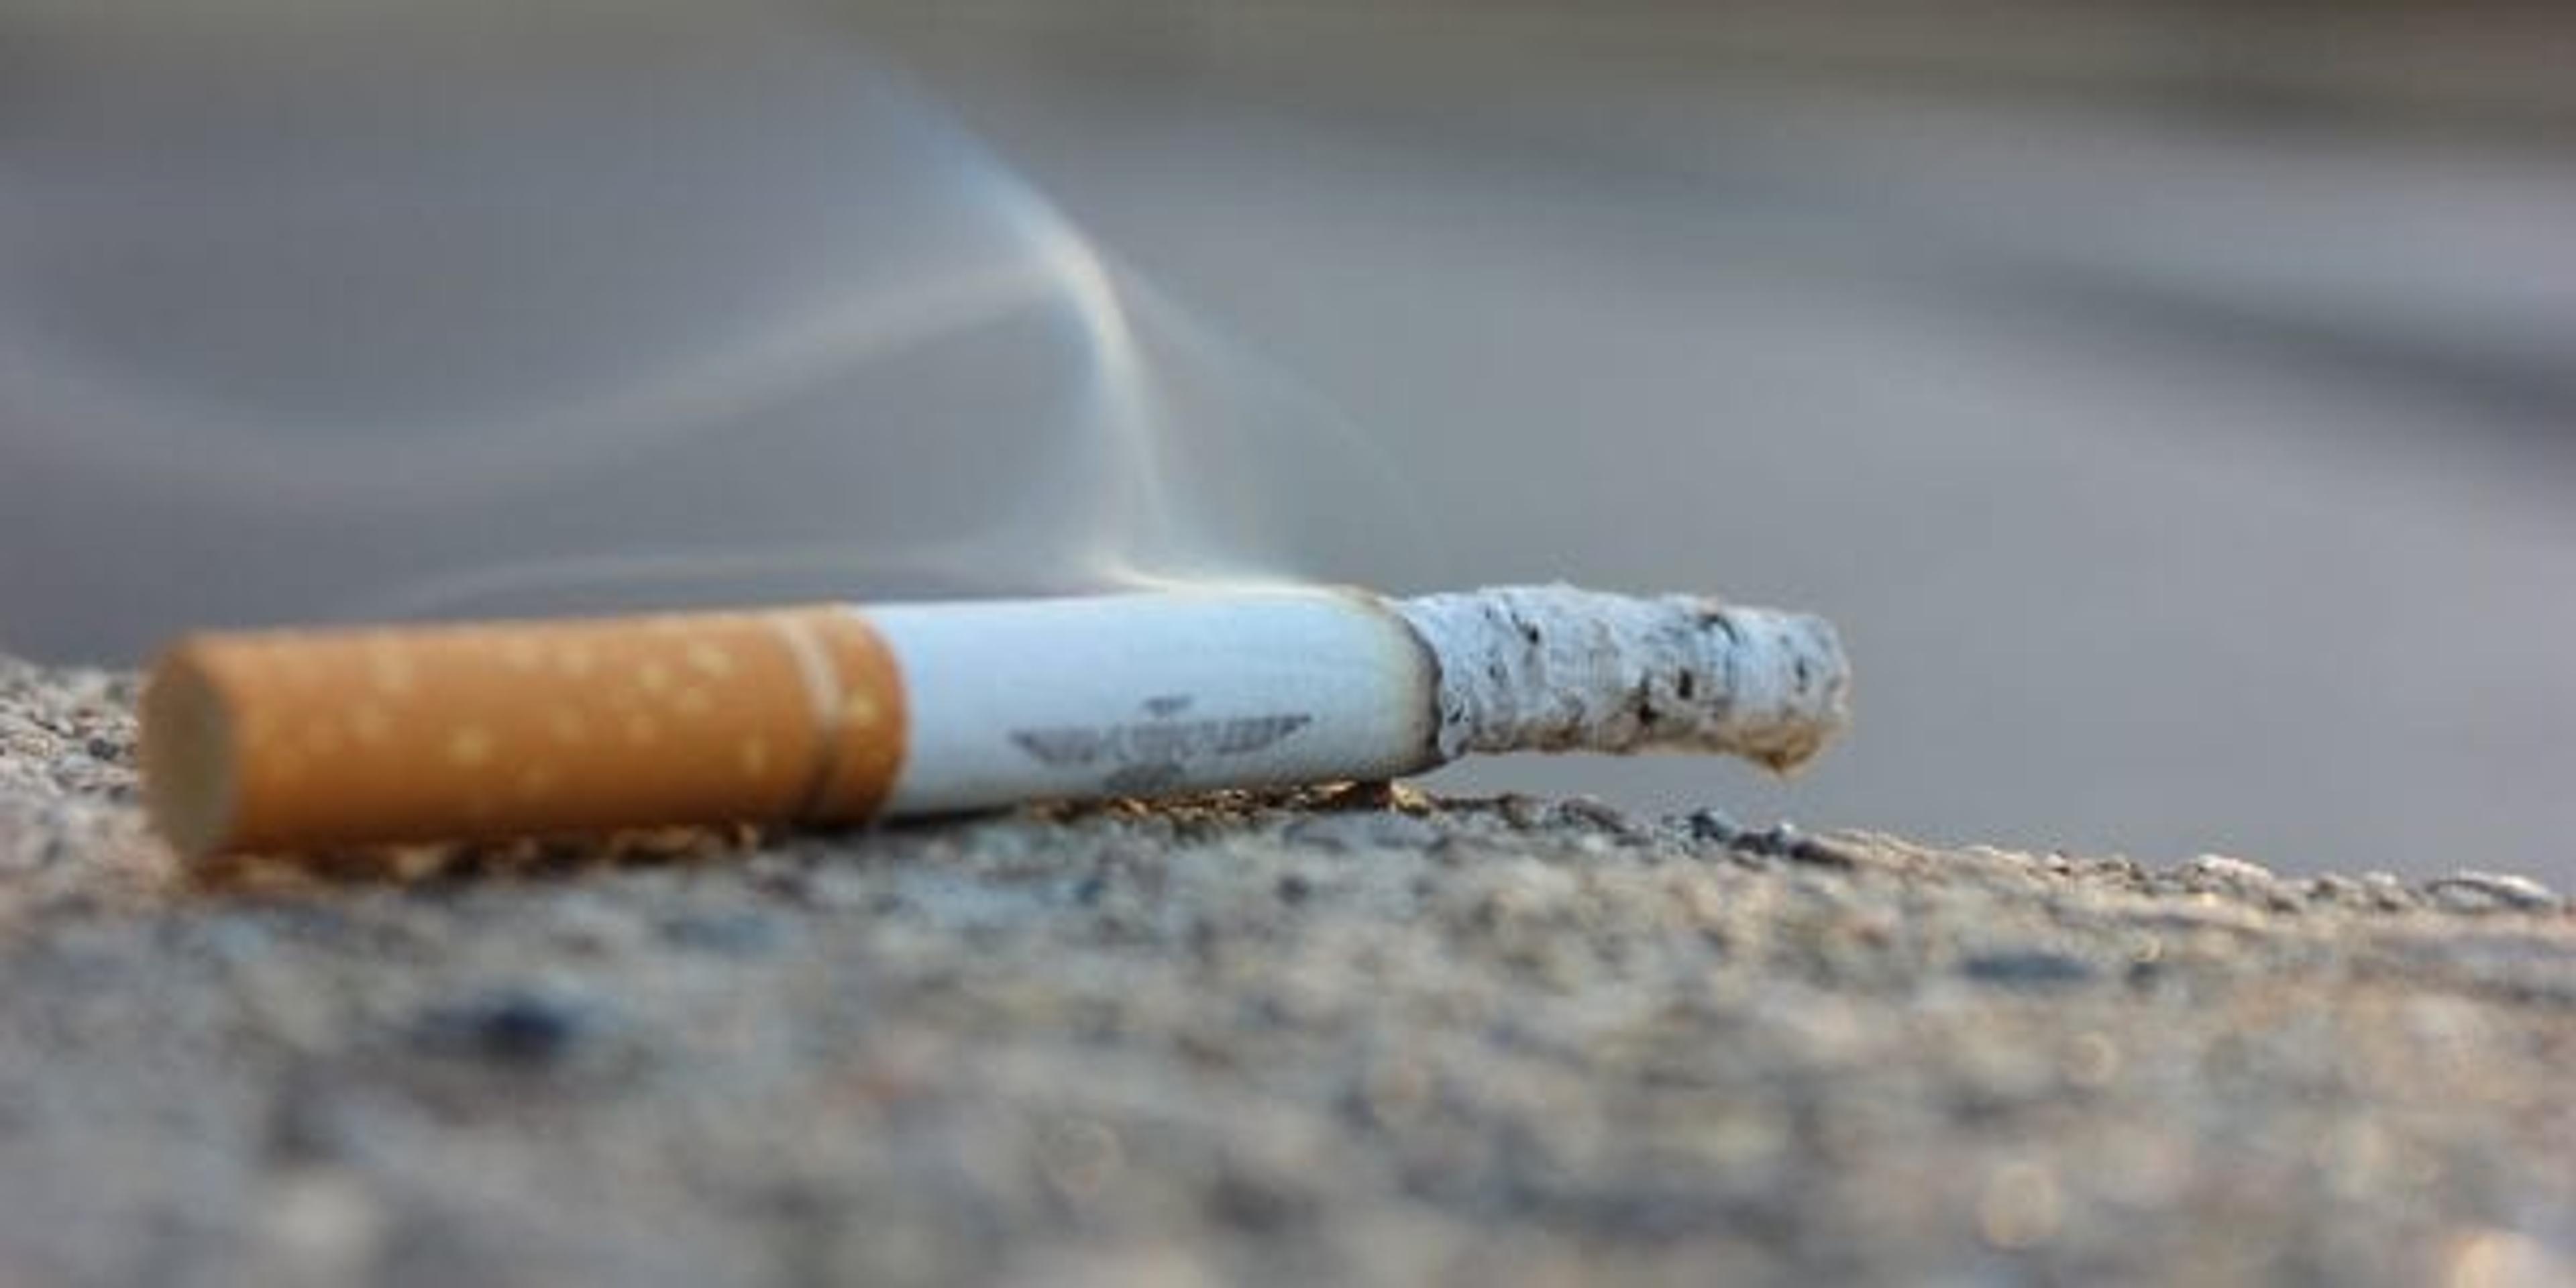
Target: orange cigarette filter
column 296, row 740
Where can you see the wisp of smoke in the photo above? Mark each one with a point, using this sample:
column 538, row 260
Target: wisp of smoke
column 323, row 312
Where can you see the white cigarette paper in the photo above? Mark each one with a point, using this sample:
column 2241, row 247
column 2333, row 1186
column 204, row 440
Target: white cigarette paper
column 1150, row 695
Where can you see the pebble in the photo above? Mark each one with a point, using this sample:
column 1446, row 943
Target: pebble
column 509, row 1025
column 1715, row 826
column 2491, row 892
column 2220, row 873
column 2387, row 893
column 1781, row 840
column 1588, row 812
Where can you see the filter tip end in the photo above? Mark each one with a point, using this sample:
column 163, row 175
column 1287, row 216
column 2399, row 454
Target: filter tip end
column 189, row 772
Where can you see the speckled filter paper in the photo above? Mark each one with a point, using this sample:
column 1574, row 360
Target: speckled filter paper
column 311, row 739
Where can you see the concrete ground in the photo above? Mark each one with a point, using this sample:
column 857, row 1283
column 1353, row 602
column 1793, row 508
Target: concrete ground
column 1350, row 1035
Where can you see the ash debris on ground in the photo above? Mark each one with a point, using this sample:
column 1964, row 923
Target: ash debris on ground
column 1339, row 1036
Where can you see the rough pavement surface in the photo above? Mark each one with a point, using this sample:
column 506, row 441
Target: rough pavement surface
column 1347, row 1036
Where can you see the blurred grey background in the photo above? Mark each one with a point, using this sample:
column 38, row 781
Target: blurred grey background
column 2175, row 404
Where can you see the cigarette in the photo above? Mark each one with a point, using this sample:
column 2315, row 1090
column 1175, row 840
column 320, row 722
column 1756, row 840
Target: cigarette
column 834, row 714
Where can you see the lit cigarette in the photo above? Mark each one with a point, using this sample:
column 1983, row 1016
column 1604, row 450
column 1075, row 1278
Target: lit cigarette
column 835, row 714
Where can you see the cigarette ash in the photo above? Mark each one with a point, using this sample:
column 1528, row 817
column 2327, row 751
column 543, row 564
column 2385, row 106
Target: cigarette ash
column 479, row 314
column 1556, row 668
column 1357, row 1035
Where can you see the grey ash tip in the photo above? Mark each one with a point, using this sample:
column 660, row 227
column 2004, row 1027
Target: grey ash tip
column 1553, row 668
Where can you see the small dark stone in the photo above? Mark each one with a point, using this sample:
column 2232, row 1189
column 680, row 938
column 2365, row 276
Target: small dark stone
column 1294, row 888
column 1816, row 853
column 1088, row 890
column 509, row 1026
column 2026, row 968
column 1713, row 825
column 1523, row 813
column 1600, row 816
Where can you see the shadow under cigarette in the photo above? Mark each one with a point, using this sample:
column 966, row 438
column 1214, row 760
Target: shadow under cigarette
column 578, row 856
column 528, row 859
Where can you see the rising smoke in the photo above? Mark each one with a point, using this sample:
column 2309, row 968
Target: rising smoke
column 327, row 312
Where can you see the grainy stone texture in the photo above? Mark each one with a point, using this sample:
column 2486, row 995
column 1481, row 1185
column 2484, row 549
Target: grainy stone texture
column 1351, row 1036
